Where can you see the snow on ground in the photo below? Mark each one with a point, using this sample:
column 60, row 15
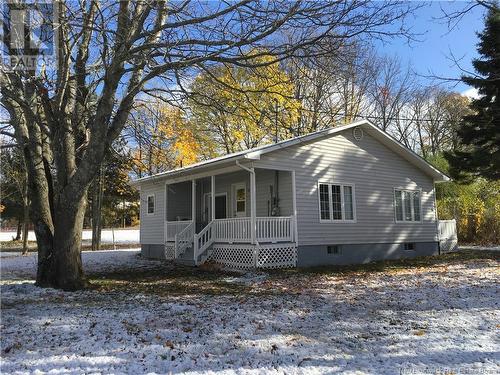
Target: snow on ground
column 482, row 248
column 16, row 266
column 122, row 236
column 420, row 320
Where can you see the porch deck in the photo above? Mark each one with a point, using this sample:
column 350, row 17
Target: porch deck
column 242, row 219
column 229, row 241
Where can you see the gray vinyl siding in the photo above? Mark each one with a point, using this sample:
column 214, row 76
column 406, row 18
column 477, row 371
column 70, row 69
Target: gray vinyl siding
column 151, row 228
column 265, row 178
column 375, row 170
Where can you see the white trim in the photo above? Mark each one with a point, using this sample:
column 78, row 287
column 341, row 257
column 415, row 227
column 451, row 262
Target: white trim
column 212, row 200
column 409, row 190
column 165, row 207
column 154, row 205
column 329, row 183
column 294, row 203
column 436, row 216
column 253, row 207
column 193, row 202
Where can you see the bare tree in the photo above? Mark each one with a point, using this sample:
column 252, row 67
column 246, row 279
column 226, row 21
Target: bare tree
column 332, row 87
column 390, row 92
column 109, row 52
column 428, row 123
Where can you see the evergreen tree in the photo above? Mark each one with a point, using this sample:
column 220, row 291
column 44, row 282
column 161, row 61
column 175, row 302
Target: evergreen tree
column 479, row 132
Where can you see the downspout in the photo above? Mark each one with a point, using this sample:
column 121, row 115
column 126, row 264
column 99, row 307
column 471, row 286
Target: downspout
column 436, row 216
column 253, row 217
column 250, row 170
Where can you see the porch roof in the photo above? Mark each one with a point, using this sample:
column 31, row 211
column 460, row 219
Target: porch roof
column 255, row 153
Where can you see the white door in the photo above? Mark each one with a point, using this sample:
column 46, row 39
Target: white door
column 239, row 199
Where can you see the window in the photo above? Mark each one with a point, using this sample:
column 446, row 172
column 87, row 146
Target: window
column 324, row 202
column 336, row 202
column 151, row 204
column 334, row 249
column 348, row 208
column 409, row 246
column 407, row 205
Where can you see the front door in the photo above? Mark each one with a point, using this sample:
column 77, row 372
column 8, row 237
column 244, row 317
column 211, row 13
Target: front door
column 239, row 199
column 220, row 206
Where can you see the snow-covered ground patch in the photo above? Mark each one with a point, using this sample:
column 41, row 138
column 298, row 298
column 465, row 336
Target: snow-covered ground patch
column 4, row 254
column 248, row 278
column 121, row 236
column 418, row 320
column 482, row 248
column 24, row 267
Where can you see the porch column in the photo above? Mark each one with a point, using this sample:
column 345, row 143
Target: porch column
column 165, row 238
column 212, row 203
column 294, row 201
column 193, row 203
column 253, row 207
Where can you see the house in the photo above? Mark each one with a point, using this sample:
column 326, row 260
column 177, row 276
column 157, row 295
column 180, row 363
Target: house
column 349, row 194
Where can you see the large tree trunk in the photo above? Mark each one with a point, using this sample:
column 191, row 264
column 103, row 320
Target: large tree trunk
column 44, row 242
column 58, row 223
column 68, row 226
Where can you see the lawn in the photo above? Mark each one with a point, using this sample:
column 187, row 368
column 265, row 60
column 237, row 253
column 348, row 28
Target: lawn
column 426, row 315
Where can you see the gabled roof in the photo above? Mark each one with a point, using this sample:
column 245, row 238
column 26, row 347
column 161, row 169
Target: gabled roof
column 255, row 153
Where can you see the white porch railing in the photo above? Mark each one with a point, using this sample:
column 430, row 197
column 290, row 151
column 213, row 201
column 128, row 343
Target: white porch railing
column 447, row 229
column 203, row 240
column 275, row 229
column 174, row 227
column 448, row 240
column 269, row 229
column 233, row 230
column 183, row 240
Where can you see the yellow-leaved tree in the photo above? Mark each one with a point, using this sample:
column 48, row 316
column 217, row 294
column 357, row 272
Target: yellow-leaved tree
column 162, row 139
column 236, row 107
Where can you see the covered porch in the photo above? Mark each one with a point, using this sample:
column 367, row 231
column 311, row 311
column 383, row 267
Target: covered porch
column 238, row 214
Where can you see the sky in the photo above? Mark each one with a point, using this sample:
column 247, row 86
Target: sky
column 432, row 53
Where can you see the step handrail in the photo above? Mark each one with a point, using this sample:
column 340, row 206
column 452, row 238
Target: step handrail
column 183, row 240
column 203, row 240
